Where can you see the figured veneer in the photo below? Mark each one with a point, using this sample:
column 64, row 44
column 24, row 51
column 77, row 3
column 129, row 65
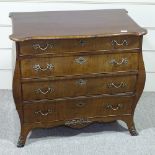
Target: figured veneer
column 78, row 87
column 75, row 65
column 49, row 111
column 59, row 46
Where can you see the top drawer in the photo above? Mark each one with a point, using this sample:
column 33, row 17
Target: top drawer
column 59, row 46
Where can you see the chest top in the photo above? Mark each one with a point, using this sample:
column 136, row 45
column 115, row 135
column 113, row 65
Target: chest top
column 72, row 24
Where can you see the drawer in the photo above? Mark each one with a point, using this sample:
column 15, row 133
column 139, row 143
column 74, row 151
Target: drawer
column 58, row 46
column 77, row 65
column 77, row 108
column 78, row 87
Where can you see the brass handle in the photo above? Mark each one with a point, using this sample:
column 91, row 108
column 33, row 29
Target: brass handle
column 123, row 43
column 37, row 67
column 115, row 62
column 80, row 104
column 114, row 108
column 49, row 90
column 81, row 82
column 37, row 46
column 80, row 60
column 120, row 85
column 49, row 111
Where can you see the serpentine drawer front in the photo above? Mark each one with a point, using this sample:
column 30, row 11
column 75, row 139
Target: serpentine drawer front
column 75, row 65
column 74, row 73
column 76, row 108
column 80, row 87
column 59, row 46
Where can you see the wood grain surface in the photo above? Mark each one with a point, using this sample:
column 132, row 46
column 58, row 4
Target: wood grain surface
column 72, row 24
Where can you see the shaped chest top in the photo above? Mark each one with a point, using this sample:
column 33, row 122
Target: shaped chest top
column 72, row 24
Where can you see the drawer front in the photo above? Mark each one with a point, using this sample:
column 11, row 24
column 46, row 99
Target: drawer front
column 59, row 46
column 56, row 46
column 77, row 108
column 78, row 87
column 77, row 65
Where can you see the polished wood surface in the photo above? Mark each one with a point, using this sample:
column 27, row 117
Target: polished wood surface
column 78, row 70
column 77, row 65
column 60, row 46
column 48, row 111
column 72, row 24
column 78, row 87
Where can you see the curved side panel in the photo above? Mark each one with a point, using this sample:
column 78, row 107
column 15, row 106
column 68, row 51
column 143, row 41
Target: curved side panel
column 17, row 91
column 141, row 77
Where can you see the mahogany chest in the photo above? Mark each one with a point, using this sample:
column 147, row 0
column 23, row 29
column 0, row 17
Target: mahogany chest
column 74, row 68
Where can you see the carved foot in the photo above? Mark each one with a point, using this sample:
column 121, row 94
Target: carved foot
column 133, row 131
column 23, row 135
column 131, row 127
column 21, row 142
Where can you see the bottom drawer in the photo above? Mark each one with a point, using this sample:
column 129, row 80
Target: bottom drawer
column 48, row 111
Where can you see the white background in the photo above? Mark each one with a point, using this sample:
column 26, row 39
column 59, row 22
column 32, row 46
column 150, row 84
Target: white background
column 142, row 11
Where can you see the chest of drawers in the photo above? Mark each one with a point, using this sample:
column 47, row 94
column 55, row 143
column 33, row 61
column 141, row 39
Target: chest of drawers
column 74, row 68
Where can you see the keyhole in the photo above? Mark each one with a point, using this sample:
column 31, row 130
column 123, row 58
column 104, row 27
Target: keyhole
column 82, row 42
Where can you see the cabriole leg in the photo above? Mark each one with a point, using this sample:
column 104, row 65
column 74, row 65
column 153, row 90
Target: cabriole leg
column 131, row 126
column 23, row 135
